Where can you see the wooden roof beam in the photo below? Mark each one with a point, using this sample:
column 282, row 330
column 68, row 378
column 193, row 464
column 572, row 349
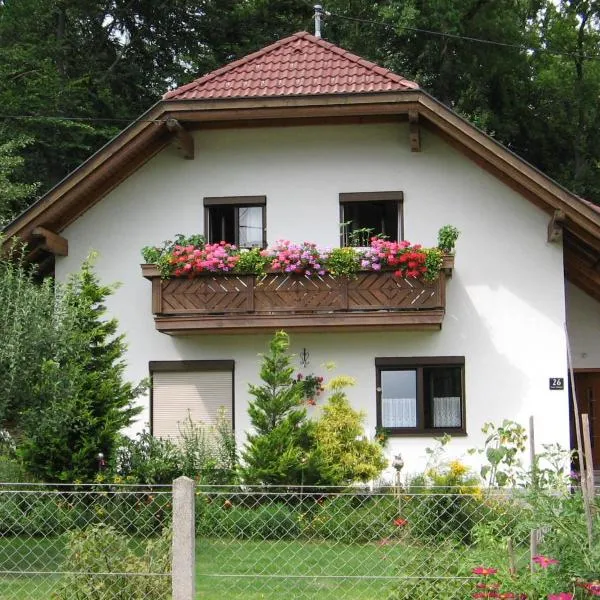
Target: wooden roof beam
column 181, row 138
column 555, row 227
column 414, row 131
column 51, row 242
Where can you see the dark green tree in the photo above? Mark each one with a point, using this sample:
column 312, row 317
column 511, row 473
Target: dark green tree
column 277, row 450
column 81, row 401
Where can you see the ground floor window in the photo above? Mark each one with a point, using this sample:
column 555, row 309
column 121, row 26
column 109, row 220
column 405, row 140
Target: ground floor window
column 198, row 389
column 421, row 395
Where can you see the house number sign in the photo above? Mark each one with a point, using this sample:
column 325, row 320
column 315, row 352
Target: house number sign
column 557, row 383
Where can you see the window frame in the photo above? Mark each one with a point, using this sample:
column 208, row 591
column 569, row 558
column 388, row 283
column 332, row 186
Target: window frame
column 419, row 364
column 236, row 202
column 391, row 196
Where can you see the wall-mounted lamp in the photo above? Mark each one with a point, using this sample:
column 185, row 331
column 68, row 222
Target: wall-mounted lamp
column 304, row 357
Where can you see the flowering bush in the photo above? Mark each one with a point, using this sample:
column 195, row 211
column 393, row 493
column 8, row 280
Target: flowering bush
column 191, row 256
column 214, row 258
column 303, row 259
column 312, row 386
column 539, row 584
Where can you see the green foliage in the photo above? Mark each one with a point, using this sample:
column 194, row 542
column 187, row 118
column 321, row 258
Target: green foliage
column 251, row 262
column 81, row 402
column 101, row 549
column 342, row 454
column 208, row 453
column 146, row 459
column 433, row 262
column 503, row 445
column 56, row 512
column 343, row 262
column 273, row 521
column 277, row 450
column 427, row 588
column 31, row 329
column 447, row 236
column 13, row 194
column 205, row 453
column 288, row 449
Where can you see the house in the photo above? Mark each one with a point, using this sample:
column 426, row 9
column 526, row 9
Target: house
column 285, row 144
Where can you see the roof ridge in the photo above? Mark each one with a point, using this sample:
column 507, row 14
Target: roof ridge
column 383, row 72
column 236, row 63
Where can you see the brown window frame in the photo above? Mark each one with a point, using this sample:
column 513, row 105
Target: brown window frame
column 346, row 198
column 236, row 202
column 418, row 364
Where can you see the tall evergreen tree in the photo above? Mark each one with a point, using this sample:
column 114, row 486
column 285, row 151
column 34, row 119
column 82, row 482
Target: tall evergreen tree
column 82, row 400
column 276, row 451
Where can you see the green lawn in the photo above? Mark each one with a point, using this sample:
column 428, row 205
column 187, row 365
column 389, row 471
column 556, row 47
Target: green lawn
column 245, row 568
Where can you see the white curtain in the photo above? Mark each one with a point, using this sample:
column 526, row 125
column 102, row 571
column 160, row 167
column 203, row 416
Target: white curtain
column 399, row 412
column 251, row 226
column 446, row 412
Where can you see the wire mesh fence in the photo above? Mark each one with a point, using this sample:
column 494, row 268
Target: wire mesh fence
column 396, row 544
column 74, row 542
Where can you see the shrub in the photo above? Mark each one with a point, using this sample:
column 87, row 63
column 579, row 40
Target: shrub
column 147, row 460
column 209, row 453
column 205, row 453
column 273, row 521
column 101, row 549
column 354, row 518
column 342, row 455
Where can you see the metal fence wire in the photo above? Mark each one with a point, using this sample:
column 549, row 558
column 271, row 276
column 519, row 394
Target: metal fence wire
column 390, row 544
column 72, row 542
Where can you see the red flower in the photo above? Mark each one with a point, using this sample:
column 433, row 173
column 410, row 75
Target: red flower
column 400, row 522
column 485, row 571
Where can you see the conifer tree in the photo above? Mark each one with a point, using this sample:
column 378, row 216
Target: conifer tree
column 83, row 401
column 277, row 451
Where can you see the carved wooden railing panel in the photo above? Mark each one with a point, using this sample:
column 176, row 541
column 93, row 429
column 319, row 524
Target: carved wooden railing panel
column 244, row 303
column 281, row 292
column 218, row 294
column 384, row 291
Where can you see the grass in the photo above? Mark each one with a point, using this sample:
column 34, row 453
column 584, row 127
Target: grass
column 290, row 569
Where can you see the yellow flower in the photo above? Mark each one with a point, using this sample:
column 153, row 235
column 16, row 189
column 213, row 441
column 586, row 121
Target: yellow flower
column 457, row 469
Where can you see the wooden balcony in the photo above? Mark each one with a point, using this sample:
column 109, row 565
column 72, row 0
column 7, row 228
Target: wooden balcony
column 373, row 301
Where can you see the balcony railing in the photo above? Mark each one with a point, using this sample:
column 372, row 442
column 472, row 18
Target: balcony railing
column 230, row 303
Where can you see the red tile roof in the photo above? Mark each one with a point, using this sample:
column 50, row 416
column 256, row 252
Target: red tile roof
column 297, row 65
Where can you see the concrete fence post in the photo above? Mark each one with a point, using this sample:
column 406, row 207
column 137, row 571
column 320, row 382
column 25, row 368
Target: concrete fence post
column 183, row 568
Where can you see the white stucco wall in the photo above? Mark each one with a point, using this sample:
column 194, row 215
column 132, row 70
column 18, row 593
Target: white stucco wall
column 505, row 303
column 583, row 321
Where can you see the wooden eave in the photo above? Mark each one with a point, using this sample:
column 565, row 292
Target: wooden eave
column 137, row 144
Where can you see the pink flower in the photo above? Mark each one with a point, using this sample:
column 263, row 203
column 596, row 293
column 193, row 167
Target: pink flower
column 484, row 571
column 561, row 596
column 544, row 561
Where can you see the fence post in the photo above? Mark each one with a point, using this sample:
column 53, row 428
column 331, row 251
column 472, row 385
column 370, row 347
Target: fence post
column 183, row 567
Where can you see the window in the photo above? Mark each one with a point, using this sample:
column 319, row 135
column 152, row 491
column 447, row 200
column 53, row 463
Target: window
column 198, row 389
column 366, row 214
column 239, row 220
column 421, row 395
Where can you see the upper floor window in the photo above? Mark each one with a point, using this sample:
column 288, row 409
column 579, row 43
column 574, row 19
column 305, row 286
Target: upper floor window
column 367, row 214
column 421, row 395
column 238, row 220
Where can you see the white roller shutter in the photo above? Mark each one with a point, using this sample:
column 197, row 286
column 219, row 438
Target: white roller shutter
column 199, row 394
